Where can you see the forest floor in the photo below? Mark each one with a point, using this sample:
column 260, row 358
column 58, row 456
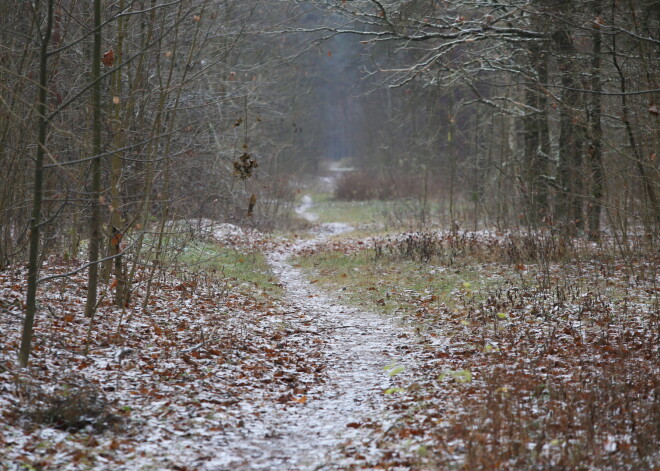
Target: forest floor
column 404, row 351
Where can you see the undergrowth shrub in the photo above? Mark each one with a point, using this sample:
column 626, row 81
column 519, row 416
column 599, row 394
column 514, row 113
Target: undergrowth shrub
column 365, row 185
column 451, row 247
column 573, row 385
column 603, row 417
column 70, row 403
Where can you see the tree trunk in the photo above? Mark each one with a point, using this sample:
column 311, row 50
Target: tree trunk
column 95, row 193
column 536, row 138
column 595, row 133
column 639, row 160
column 569, row 204
column 35, row 222
column 116, row 235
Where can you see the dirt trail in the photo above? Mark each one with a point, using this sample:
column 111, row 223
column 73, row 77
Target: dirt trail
column 357, row 346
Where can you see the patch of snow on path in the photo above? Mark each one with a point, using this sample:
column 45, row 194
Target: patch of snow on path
column 303, row 209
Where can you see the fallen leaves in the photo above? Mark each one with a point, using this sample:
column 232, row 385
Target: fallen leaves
column 193, row 398
column 519, row 357
column 300, row 400
column 512, row 372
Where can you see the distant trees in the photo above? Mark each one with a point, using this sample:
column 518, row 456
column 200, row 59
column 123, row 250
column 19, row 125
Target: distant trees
column 567, row 94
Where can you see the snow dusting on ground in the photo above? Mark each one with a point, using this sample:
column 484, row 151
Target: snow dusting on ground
column 204, row 380
column 553, row 366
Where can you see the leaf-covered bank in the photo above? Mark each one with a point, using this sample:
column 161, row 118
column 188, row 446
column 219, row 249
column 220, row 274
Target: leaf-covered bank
column 536, row 358
column 164, row 386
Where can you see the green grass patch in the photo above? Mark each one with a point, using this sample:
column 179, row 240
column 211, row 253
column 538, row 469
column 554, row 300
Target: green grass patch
column 392, row 285
column 371, row 212
column 238, row 266
column 349, row 212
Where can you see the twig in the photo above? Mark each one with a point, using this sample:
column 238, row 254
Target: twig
column 87, row 265
column 200, row 344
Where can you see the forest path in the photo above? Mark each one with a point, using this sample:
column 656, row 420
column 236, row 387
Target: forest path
column 357, row 345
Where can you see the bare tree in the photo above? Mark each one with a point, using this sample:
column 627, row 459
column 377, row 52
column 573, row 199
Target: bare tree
column 45, row 34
